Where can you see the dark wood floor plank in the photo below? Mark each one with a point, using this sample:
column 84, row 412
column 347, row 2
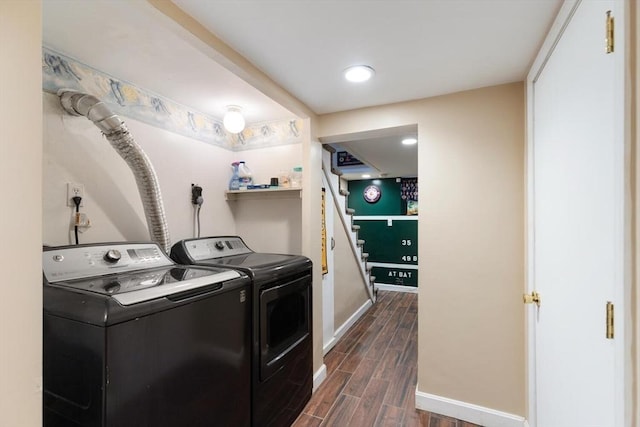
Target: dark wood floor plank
column 344, row 344
column 305, row 420
column 376, row 359
column 391, row 307
column 354, row 333
column 361, row 377
column 387, row 367
column 400, row 340
column 384, row 298
column 413, row 306
column 365, row 341
column 390, row 416
column 323, row 399
column 436, row 420
column 415, row 418
column 405, row 302
column 380, row 344
column 342, row 411
column 403, row 332
column 370, row 403
column 402, row 386
column 410, row 353
column 333, row 359
column 351, row 362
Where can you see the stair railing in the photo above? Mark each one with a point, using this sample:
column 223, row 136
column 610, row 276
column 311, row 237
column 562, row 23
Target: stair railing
column 356, row 248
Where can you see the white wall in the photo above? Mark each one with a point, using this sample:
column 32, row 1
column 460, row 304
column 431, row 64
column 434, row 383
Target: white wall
column 266, row 163
column 75, row 151
column 20, row 217
column 272, row 222
column 349, row 290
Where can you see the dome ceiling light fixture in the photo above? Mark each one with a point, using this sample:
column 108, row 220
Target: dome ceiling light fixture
column 359, row 73
column 233, row 119
column 409, row 141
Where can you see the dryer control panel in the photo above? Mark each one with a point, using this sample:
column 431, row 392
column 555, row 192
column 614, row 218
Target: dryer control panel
column 215, row 247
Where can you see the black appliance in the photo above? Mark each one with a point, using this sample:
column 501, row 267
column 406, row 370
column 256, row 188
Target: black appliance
column 282, row 356
column 133, row 340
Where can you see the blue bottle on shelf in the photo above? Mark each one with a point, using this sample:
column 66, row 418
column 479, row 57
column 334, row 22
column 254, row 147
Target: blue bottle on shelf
column 244, row 174
column 234, row 183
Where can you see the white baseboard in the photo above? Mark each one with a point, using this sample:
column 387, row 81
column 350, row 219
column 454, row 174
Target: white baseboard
column 396, row 288
column 319, row 377
column 467, row 411
column 329, row 345
column 345, row 326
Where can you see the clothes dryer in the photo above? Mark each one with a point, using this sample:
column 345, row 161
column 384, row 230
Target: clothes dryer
column 282, row 356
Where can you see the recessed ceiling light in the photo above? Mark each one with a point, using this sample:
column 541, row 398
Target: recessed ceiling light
column 409, row 141
column 366, row 175
column 359, row 73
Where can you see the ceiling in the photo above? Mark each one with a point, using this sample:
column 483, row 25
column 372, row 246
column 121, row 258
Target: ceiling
column 419, row 49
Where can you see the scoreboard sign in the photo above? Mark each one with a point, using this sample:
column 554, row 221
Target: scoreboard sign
column 390, row 241
column 395, row 276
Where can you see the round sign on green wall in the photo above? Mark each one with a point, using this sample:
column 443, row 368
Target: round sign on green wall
column 372, row 193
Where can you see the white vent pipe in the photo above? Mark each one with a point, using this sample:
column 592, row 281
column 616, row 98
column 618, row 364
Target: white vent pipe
column 82, row 104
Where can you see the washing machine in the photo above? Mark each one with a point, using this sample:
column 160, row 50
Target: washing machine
column 131, row 339
column 282, row 355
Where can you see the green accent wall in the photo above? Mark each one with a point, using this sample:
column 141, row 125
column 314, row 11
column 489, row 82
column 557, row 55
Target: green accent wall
column 387, row 240
column 390, row 202
column 395, row 244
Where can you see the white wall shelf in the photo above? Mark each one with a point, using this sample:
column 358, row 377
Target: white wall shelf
column 264, row 193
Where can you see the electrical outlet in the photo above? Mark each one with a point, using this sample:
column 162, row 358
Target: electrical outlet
column 196, row 193
column 73, row 190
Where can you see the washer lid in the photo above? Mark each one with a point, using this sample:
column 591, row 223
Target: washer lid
column 128, row 272
column 146, row 285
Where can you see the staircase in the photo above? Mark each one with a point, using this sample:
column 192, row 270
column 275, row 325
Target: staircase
column 340, row 198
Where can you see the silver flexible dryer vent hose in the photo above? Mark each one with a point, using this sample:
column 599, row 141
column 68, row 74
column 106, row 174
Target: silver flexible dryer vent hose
column 82, row 104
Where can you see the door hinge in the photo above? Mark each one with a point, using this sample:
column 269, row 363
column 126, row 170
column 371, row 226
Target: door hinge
column 609, row 33
column 610, row 313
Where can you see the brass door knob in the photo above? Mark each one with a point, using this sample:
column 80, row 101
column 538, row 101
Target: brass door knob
column 533, row 298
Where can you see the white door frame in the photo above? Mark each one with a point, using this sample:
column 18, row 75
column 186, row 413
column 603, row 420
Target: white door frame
column 624, row 362
column 328, row 327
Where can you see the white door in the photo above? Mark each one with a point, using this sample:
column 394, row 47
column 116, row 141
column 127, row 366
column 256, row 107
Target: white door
column 576, row 190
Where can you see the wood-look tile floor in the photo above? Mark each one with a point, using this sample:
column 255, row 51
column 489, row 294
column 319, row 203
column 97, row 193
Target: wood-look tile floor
column 371, row 372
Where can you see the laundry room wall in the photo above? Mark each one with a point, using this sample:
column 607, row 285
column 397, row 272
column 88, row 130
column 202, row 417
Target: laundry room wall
column 75, row 151
column 20, row 223
column 471, row 247
column 270, row 222
column 185, row 147
column 349, row 289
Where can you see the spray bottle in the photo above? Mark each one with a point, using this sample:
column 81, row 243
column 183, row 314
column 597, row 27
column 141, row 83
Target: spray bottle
column 234, row 184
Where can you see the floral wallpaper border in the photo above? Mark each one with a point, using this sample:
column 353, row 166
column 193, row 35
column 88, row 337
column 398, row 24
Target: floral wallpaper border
column 62, row 72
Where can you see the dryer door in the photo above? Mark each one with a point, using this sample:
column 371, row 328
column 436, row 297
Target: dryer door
column 284, row 322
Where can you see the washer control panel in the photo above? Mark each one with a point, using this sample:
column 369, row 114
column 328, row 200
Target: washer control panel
column 75, row 262
column 215, row 247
